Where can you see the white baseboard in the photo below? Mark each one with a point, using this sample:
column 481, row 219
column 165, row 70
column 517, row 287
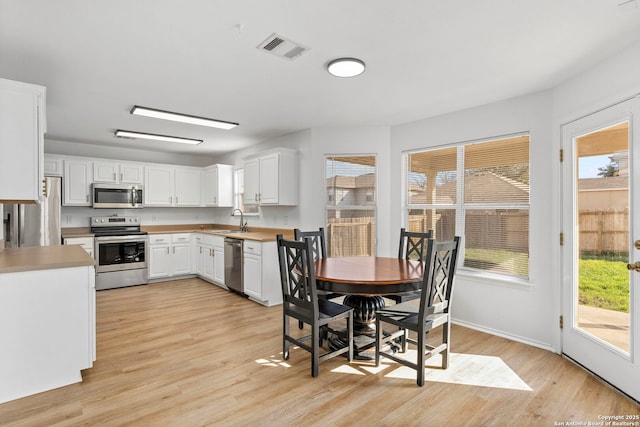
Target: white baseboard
column 502, row 334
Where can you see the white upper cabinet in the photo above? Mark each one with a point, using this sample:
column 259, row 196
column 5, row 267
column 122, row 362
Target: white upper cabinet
column 187, row 186
column 158, row 189
column 272, row 179
column 112, row 172
column 22, row 128
column 52, row 166
column 170, row 186
column 77, row 182
column 217, row 189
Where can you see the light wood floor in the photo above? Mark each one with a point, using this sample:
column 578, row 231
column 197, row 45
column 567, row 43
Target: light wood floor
column 187, row 353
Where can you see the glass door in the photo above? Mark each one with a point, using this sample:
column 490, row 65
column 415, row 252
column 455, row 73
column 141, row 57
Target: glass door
column 601, row 193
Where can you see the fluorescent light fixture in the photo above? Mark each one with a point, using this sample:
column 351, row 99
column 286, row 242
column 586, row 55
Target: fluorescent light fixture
column 346, row 67
column 135, row 135
column 184, row 118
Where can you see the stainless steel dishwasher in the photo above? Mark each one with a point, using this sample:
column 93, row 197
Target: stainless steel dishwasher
column 233, row 264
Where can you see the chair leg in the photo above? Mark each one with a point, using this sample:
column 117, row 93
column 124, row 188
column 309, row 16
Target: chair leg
column 420, row 362
column 350, row 336
column 403, row 340
column 446, row 334
column 315, row 349
column 378, row 340
column 285, row 333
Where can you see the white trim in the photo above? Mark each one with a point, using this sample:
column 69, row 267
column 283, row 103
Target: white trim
column 517, row 338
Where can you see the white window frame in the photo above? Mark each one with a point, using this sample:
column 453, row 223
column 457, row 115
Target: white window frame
column 461, row 207
column 236, row 194
column 373, row 207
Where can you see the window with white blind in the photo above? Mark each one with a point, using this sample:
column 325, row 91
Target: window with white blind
column 478, row 190
column 238, row 195
column 351, row 205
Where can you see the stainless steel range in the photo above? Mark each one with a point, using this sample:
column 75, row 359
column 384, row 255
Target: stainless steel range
column 120, row 251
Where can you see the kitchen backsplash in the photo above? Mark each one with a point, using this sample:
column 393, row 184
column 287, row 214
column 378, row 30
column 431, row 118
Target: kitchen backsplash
column 73, row 216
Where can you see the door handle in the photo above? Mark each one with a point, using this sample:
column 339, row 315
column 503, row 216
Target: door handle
column 635, row 266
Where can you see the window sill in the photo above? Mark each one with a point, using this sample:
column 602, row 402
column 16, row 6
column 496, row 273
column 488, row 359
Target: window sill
column 487, row 278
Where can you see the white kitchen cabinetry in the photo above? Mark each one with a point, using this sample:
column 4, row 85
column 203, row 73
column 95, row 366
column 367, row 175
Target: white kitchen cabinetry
column 218, row 186
column 209, row 254
column 169, row 186
column 272, row 179
column 53, row 166
column 187, row 187
column 169, row 255
column 47, row 328
column 117, row 173
column 261, row 274
column 22, row 128
column 77, row 181
column 218, row 259
column 85, row 242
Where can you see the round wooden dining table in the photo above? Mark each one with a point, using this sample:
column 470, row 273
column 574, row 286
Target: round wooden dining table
column 365, row 281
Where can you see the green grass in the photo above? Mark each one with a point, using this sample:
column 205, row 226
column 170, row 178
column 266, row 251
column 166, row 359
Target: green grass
column 604, row 279
column 604, row 284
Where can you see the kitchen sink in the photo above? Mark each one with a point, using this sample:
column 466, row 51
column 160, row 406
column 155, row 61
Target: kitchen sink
column 228, row 231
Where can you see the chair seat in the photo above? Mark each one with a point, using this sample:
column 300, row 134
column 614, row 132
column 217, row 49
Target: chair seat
column 330, row 309
column 400, row 298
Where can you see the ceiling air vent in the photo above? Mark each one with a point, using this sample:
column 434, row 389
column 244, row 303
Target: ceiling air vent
column 282, row 47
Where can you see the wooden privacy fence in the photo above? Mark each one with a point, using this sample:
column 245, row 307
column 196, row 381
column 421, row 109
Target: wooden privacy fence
column 507, row 229
column 350, row 237
column 604, row 231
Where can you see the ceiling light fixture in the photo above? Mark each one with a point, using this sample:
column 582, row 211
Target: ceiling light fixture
column 346, row 67
column 135, row 135
column 184, row 118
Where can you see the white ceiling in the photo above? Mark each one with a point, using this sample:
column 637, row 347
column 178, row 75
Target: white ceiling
column 424, row 58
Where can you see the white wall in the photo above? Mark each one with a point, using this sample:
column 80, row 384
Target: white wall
column 312, row 146
column 512, row 309
column 68, row 148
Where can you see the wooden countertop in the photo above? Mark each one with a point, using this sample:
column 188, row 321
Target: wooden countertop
column 260, row 234
column 14, row 260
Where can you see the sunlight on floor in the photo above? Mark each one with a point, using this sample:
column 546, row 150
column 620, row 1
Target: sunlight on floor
column 465, row 369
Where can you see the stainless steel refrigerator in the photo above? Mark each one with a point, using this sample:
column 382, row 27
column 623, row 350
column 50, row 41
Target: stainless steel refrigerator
column 35, row 224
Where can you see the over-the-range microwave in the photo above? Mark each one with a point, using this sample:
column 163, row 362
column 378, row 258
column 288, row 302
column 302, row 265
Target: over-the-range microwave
column 124, row 196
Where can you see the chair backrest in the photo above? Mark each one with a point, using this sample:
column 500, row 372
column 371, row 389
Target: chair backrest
column 439, row 273
column 317, row 240
column 413, row 244
column 297, row 274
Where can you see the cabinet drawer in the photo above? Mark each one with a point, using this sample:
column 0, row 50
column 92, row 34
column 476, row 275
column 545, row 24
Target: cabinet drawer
column 251, row 247
column 181, row 238
column 159, row 239
column 85, row 242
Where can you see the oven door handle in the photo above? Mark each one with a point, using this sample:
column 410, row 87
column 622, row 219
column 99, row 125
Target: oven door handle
column 117, row 239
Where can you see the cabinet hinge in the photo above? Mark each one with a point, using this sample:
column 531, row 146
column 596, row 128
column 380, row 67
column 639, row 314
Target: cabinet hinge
column 561, row 239
column 561, row 155
column 561, row 321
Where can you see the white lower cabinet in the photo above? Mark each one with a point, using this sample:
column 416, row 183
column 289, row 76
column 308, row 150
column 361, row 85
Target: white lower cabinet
column 85, row 242
column 209, row 257
column 48, row 329
column 260, row 272
column 169, row 255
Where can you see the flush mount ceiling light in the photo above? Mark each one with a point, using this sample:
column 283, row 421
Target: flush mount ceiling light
column 346, row 67
column 135, row 135
column 184, row 118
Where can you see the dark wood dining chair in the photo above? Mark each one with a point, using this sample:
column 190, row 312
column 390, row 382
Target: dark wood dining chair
column 300, row 301
column 319, row 246
column 413, row 245
column 431, row 312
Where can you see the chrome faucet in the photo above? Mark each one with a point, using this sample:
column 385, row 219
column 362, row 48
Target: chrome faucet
column 243, row 225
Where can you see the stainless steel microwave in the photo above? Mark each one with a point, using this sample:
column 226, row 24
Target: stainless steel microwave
column 123, row 196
